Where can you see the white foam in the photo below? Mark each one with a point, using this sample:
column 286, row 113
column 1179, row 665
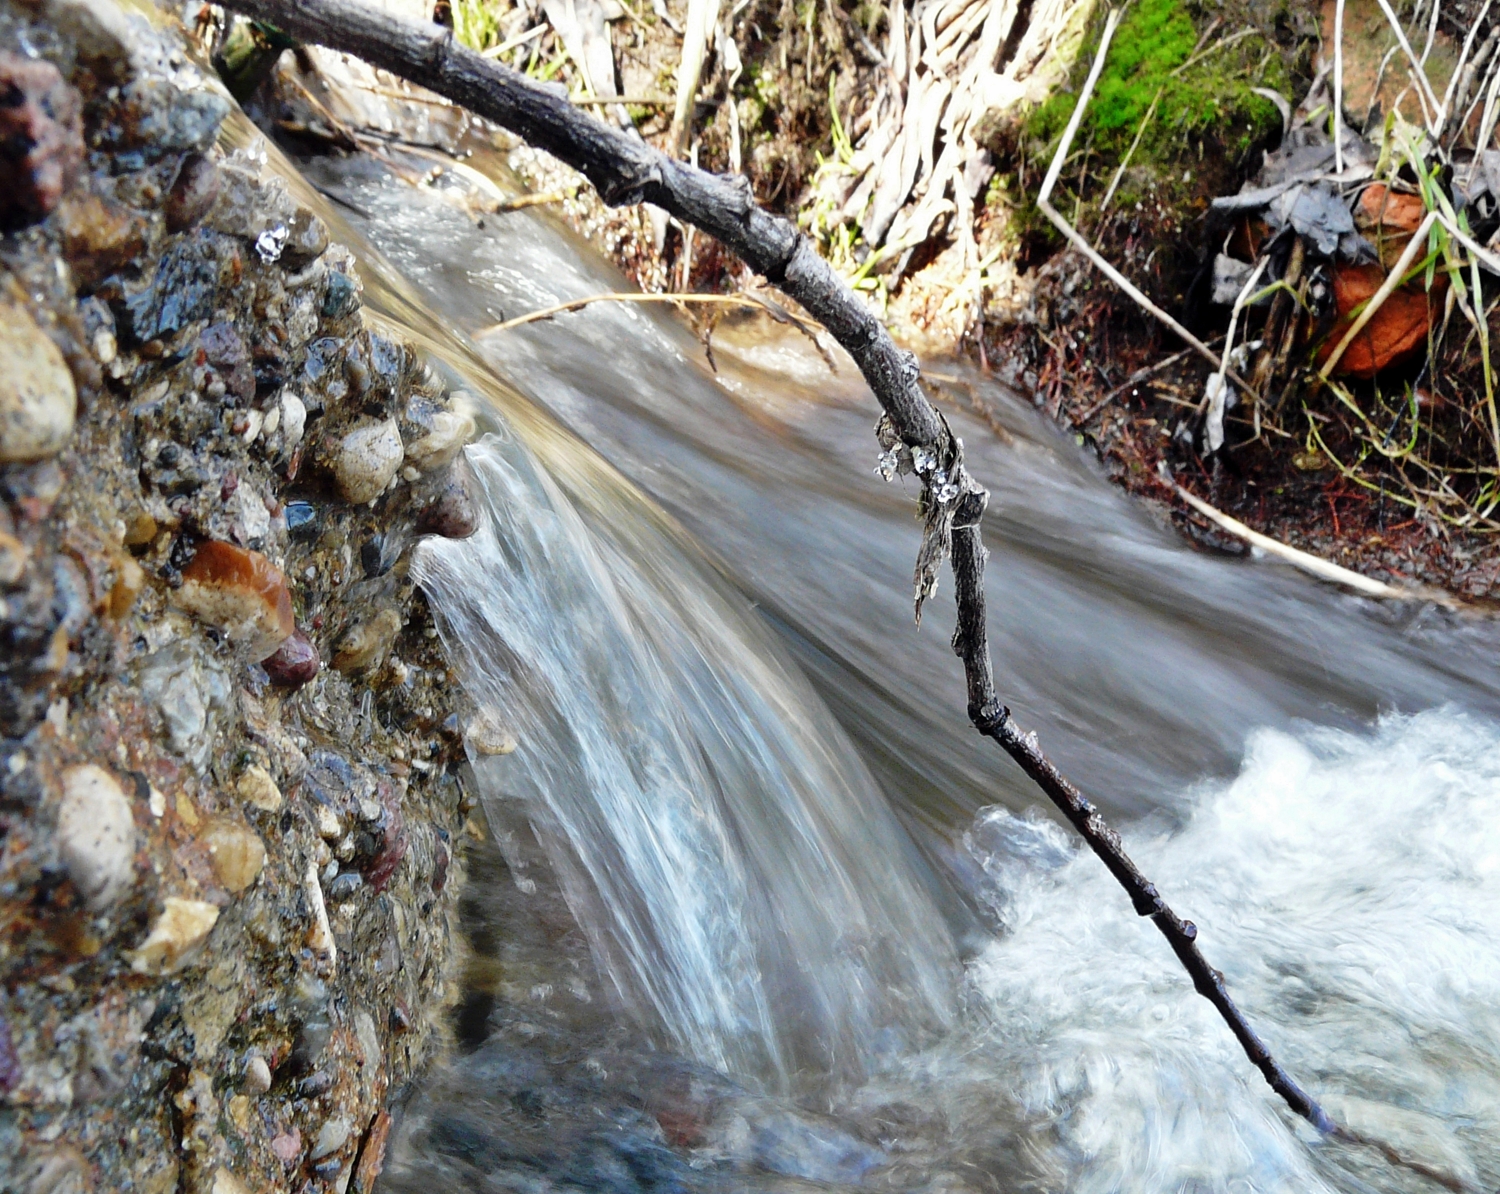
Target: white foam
column 1349, row 887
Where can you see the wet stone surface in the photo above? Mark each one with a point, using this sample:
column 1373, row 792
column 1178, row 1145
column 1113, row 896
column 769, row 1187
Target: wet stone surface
column 228, row 869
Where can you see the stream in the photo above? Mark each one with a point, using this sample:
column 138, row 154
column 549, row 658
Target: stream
column 756, row 909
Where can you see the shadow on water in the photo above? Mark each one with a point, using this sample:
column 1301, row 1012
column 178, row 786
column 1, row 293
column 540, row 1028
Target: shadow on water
column 707, row 955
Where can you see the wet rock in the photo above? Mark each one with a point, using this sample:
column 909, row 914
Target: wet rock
column 38, row 401
column 224, row 349
column 294, row 663
column 365, row 458
column 157, row 117
column 257, row 789
column 242, row 593
column 392, row 841
column 97, row 237
column 306, row 239
column 257, row 1079
column 182, row 289
column 237, row 853
column 176, row 936
column 366, row 645
column 341, row 297
column 98, row 28
column 450, row 509
column 41, row 138
column 332, row 1136
column 188, row 689
column 345, row 886
column 372, row 1153
column 193, row 192
column 448, row 431
column 96, row 835
column 488, row 734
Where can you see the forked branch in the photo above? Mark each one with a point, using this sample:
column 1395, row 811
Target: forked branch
column 915, row 438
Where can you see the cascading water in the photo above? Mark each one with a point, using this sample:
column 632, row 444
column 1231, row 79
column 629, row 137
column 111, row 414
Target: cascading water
column 745, row 890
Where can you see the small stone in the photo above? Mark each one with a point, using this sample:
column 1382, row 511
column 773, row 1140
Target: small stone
column 257, row 1079
column 13, row 556
column 332, row 1136
column 242, row 593
column 368, row 811
column 449, row 431
column 226, row 1183
column 306, row 239
column 96, row 835
column 319, row 934
column 193, row 192
column 239, row 1112
column 287, row 1146
column 393, row 842
column 41, row 129
column 257, row 789
column 140, row 529
column 366, row 645
column 451, row 510
column 293, row 418
column 130, row 581
column 301, row 520
column 345, row 886
column 38, row 401
column 237, row 852
column 294, row 663
column 330, row 828
column 341, row 298
column 97, row 237
column 175, row 937
column 488, row 734
column 365, row 459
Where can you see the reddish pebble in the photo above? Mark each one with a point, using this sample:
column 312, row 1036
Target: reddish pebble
column 294, row 663
column 451, row 512
column 193, row 193
column 287, row 1146
column 41, row 138
column 393, row 842
column 241, row 592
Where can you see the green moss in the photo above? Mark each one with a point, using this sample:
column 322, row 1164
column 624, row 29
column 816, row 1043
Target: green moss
column 1214, row 96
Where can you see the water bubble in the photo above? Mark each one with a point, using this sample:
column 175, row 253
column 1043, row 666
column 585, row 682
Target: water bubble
column 887, row 464
column 924, row 460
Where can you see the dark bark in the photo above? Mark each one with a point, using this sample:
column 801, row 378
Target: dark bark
column 626, row 170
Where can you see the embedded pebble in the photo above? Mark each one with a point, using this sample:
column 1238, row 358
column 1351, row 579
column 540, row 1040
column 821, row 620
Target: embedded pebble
column 242, row 593
column 449, row 431
column 193, row 192
column 319, row 934
column 293, row 418
column 96, row 835
column 13, row 555
column 38, row 401
column 226, row 1183
column 294, row 663
column 42, row 129
column 257, row 789
column 366, row 645
column 365, row 459
column 257, row 1078
column 175, row 937
column 489, row 735
column 287, row 1146
column 330, row 828
column 451, row 510
column 237, row 852
column 332, row 1136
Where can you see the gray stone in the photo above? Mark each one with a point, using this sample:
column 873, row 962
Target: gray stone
column 366, row 458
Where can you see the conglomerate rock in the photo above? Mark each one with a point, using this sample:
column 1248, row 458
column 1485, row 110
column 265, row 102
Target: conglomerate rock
column 227, row 869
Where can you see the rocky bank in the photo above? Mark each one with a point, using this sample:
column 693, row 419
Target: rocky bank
column 230, row 800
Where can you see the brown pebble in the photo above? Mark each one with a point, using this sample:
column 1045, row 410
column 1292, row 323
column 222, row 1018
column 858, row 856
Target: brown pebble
column 237, row 853
column 140, row 529
column 294, row 663
column 176, row 936
column 366, row 644
column 193, row 193
column 97, row 237
column 372, row 1154
column 41, row 127
column 130, row 579
column 241, row 592
column 452, row 512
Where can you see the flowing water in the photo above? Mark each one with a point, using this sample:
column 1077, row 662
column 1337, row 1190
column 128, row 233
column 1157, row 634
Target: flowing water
column 758, row 912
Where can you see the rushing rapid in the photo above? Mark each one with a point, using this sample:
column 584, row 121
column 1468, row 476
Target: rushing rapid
column 758, row 912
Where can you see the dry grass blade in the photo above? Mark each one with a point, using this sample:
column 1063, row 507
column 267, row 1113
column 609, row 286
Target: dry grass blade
column 731, row 300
